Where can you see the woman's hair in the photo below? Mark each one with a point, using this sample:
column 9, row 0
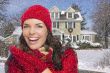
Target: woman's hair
column 51, row 41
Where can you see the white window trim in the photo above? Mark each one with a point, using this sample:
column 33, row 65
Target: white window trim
column 55, row 15
column 56, row 24
column 72, row 25
column 68, row 14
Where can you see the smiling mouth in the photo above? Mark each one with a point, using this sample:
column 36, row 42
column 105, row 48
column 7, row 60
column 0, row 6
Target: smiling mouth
column 33, row 40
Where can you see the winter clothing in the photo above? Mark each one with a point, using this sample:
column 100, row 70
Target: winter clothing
column 37, row 12
column 22, row 62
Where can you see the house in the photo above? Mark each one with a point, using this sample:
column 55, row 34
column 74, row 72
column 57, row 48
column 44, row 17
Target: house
column 66, row 24
column 88, row 35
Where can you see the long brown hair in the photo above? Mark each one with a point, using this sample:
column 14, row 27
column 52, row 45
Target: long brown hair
column 51, row 41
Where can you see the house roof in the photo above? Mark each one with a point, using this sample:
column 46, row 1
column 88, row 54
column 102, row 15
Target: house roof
column 54, row 9
column 70, row 9
column 79, row 16
column 88, row 32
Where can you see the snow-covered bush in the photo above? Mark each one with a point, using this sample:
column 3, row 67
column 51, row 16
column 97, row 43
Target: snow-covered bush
column 74, row 45
column 84, row 44
column 70, row 44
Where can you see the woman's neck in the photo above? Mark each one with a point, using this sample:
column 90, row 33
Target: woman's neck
column 43, row 50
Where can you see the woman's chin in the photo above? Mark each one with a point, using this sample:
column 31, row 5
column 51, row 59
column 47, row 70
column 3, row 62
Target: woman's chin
column 34, row 47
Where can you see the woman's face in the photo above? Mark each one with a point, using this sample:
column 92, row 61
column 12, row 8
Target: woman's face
column 35, row 33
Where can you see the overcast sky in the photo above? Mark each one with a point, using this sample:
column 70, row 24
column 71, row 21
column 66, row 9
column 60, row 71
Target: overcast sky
column 16, row 6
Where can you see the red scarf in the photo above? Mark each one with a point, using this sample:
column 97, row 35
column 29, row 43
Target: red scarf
column 30, row 63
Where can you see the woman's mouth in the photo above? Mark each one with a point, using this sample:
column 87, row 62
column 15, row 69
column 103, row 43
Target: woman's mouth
column 33, row 40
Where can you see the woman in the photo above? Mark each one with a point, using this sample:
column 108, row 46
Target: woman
column 38, row 51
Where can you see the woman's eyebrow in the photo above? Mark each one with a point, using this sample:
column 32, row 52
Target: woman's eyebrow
column 26, row 24
column 38, row 23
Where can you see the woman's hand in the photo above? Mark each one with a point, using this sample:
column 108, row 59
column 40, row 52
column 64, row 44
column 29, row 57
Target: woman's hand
column 45, row 53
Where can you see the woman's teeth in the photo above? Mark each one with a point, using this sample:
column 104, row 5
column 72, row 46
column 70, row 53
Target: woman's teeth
column 33, row 39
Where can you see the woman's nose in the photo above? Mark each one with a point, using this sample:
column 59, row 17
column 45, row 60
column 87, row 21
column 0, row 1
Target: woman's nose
column 32, row 31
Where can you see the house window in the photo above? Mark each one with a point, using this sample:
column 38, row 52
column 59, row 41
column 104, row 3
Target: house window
column 70, row 24
column 77, row 37
column 56, row 15
column 74, row 38
column 74, row 24
column 76, row 16
column 87, row 38
column 52, row 14
column 69, row 14
column 66, row 25
column 83, row 37
column 55, row 24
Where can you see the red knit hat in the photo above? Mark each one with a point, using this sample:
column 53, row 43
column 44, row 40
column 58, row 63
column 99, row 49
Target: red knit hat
column 38, row 12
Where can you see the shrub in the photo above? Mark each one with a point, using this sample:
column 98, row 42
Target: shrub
column 88, row 45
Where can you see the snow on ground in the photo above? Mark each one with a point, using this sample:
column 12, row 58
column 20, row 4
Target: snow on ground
column 2, row 64
column 87, row 60
column 2, row 68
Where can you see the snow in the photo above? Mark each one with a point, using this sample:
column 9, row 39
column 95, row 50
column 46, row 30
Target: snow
column 17, row 31
column 2, row 68
column 91, row 43
column 80, row 17
column 87, row 60
column 2, row 38
column 87, row 32
column 3, row 58
column 62, row 12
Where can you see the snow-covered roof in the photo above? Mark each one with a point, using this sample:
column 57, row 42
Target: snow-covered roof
column 88, row 32
column 80, row 17
column 17, row 31
column 62, row 12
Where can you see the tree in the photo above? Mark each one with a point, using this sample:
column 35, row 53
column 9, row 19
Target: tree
column 101, row 19
column 3, row 3
column 8, row 29
column 77, row 8
column 83, row 23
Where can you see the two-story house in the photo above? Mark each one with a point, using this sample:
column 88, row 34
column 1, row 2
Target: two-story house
column 63, row 21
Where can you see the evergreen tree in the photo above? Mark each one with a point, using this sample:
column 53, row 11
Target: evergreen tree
column 78, row 9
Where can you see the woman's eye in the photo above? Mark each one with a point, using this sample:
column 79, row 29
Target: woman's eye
column 25, row 26
column 39, row 26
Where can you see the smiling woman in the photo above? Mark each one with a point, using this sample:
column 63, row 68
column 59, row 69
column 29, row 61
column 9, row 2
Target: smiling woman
column 38, row 50
column 35, row 33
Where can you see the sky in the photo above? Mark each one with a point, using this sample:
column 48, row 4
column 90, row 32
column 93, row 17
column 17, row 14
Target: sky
column 87, row 6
